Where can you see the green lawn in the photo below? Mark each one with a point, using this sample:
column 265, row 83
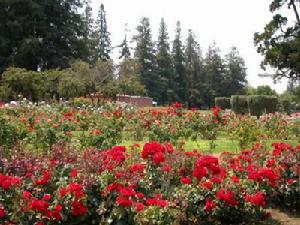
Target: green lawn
column 222, row 144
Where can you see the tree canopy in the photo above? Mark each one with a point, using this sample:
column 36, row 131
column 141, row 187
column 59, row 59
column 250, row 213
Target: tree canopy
column 279, row 43
column 38, row 35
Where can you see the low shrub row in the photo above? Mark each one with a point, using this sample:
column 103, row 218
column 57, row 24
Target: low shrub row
column 257, row 105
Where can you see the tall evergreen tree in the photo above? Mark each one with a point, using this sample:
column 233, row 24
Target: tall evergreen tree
column 88, row 29
column 125, row 50
column 235, row 74
column 145, row 54
column 40, row 34
column 194, row 70
column 214, row 74
column 178, row 57
column 165, row 66
column 102, row 37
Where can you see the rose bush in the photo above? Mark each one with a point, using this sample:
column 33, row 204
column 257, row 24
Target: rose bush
column 157, row 184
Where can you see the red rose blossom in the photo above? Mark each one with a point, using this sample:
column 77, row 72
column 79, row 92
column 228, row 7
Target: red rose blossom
column 78, row 208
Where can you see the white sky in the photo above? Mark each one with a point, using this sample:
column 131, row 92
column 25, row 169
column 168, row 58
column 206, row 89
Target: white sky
column 229, row 23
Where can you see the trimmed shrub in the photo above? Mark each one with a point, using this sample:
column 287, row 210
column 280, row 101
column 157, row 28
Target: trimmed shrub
column 286, row 106
column 222, row 102
column 260, row 104
column 272, row 104
column 239, row 104
column 256, row 105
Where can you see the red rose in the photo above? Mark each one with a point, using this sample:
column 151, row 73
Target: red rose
column 139, row 167
column 2, row 212
column 162, row 203
column 158, row 158
column 151, row 201
column 207, row 184
column 167, row 168
column 151, row 148
column 227, row 197
column 258, row 199
column 124, row 201
column 45, row 178
column 55, row 213
column 185, row 180
column 235, row 179
column 63, row 192
column 209, row 205
column 139, row 207
column 78, row 208
column 26, row 195
column 73, row 173
column 140, row 195
column 46, row 197
column 200, row 172
column 291, row 181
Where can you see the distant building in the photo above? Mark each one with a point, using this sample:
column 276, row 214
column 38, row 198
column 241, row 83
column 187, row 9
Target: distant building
column 138, row 101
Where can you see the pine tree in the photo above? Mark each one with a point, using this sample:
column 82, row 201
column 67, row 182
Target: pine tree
column 180, row 81
column 235, row 74
column 165, row 66
column 145, row 54
column 101, row 37
column 125, row 50
column 214, row 74
column 194, row 70
column 88, row 29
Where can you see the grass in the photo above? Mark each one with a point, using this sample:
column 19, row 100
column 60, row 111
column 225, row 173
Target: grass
column 222, row 145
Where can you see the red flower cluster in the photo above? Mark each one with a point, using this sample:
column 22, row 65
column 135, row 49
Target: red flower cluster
column 176, row 105
column 216, row 111
column 44, row 179
column 43, row 206
column 73, row 188
column 139, row 167
column 78, row 208
column 157, row 201
column 258, row 199
column 261, row 174
column 2, row 212
column 154, row 150
column 209, row 205
column 124, row 201
column 186, row 180
column 227, row 196
column 208, row 164
column 7, row 181
column 278, row 148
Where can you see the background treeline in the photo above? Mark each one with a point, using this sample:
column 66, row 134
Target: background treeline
column 58, row 48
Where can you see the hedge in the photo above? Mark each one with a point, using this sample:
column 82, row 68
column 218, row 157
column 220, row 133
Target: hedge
column 287, row 106
column 239, row 104
column 254, row 104
column 260, row 104
column 272, row 104
column 222, row 102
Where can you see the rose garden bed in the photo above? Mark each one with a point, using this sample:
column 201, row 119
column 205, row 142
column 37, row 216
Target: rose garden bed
column 62, row 166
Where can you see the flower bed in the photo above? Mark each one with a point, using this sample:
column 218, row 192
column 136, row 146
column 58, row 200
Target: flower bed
column 155, row 184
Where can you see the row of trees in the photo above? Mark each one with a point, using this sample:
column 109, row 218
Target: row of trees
column 79, row 80
column 38, row 36
column 180, row 72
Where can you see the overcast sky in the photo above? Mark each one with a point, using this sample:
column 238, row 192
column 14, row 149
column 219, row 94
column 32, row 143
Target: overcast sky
column 228, row 23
